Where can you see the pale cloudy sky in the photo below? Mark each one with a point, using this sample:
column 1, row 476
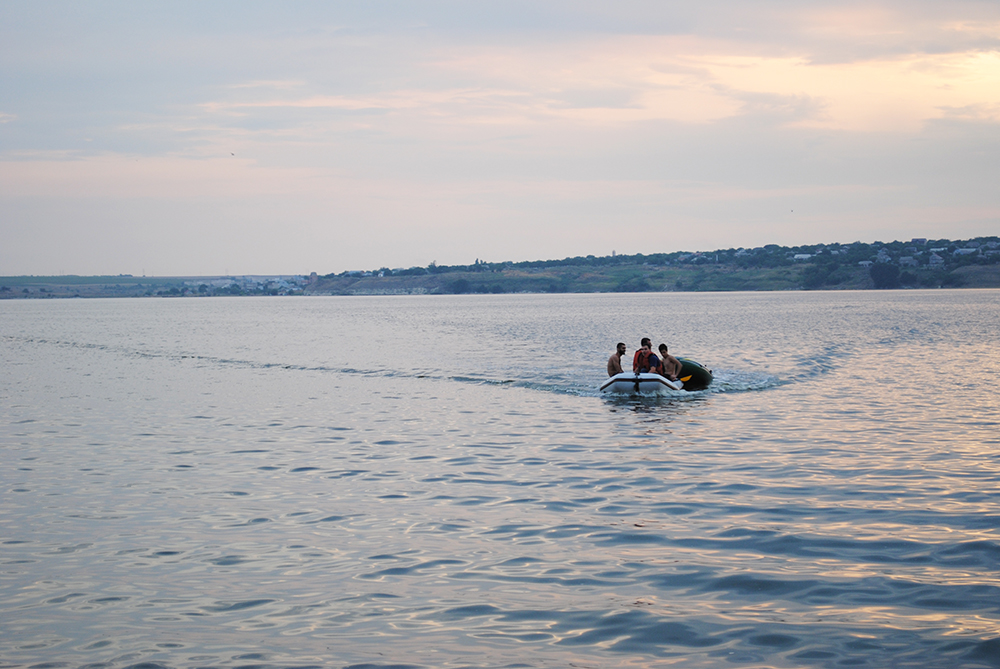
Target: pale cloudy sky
column 264, row 137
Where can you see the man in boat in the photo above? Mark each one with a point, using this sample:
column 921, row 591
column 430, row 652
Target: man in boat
column 615, row 361
column 641, row 360
column 670, row 366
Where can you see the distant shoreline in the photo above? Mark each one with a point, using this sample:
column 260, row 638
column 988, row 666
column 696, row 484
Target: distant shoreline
column 919, row 263
column 565, row 280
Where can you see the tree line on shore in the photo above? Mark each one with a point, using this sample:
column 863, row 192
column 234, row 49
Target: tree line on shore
column 916, row 263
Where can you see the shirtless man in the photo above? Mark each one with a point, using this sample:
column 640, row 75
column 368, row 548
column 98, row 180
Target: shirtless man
column 615, row 361
column 671, row 365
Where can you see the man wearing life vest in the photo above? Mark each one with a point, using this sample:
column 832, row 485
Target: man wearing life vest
column 641, row 361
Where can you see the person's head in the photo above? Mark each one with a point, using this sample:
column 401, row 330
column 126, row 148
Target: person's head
column 663, row 348
column 621, row 349
column 646, row 343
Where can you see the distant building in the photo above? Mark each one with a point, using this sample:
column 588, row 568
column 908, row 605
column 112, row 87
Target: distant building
column 802, row 256
column 935, row 260
column 907, row 261
column 865, row 263
column 919, row 241
column 965, row 252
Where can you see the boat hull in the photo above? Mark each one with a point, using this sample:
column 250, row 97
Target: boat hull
column 640, row 384
column 693, row 377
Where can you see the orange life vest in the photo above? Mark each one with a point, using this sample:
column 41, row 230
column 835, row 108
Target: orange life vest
column 640, row 361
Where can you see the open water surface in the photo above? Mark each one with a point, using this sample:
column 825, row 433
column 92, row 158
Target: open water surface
column 435, row 482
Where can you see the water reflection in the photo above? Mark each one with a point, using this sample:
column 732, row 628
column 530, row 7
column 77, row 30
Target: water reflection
column 194, row 494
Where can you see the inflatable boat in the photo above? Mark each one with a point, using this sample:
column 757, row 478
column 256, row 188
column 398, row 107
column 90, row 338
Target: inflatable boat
column 640, row 384
column 693, row 376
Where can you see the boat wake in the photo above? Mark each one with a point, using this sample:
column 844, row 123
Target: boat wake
column 571, row 381
column 725, row 381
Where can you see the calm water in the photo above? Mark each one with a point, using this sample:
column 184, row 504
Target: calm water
column 435, row 482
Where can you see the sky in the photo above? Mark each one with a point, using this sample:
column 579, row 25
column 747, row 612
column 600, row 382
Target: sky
column 194, row 138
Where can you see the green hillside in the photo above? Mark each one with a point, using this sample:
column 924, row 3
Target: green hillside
column 919, row 263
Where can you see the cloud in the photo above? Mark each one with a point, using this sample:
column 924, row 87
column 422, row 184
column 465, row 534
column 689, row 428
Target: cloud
column 894, row 95
column 534, row 129
column 630, row 79
column 118, row 176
